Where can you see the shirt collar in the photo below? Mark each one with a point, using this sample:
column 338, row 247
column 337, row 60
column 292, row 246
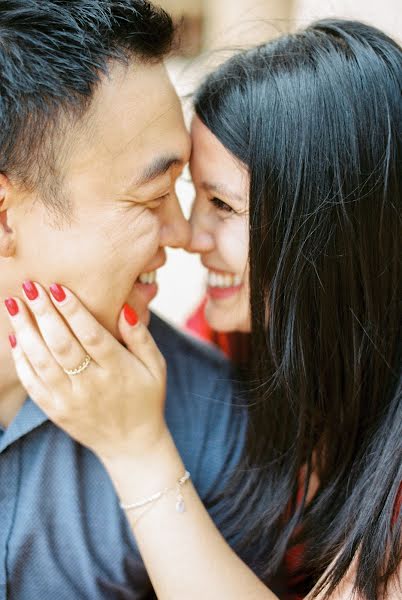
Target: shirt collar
column 29, row 417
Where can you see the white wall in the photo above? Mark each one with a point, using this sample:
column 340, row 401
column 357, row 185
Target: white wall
column 244, row 22
column 384, row 14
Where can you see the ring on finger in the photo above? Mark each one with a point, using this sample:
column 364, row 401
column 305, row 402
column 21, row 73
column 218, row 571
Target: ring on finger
column 81, row 367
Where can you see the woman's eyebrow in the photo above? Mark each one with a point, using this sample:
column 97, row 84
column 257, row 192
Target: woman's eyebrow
column 222, row 190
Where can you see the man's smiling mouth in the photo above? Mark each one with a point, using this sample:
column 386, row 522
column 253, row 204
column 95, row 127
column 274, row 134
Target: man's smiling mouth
column 147, row 278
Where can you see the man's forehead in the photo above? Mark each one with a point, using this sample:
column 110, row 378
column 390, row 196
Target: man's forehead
column 137, row 118
column 133, row 104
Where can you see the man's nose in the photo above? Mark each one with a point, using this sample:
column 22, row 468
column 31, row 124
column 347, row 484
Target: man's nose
column 175, row 229
column 201, row 239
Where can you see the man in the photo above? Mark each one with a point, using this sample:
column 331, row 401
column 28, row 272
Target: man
column 92, row 142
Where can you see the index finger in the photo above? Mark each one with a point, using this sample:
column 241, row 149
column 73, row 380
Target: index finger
column 97, row 341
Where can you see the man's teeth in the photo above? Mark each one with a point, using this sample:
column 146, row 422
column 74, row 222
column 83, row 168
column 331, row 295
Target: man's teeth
column 147, row 277
column 223, row 281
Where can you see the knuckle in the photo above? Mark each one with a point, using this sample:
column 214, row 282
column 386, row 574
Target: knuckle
column 92, row 337
column 42, row 363
column 30, row 388
column 38, row 308
column 62, row 347
column 71, row 307
column 142, row 337
column 41, row 308
column 58, row 412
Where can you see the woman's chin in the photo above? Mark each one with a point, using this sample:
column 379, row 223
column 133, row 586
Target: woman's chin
column 225, row 321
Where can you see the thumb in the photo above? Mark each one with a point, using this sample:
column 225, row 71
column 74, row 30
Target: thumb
column 140, row 342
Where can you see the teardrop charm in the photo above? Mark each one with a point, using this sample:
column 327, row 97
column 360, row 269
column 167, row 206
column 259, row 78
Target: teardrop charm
column 180, row 506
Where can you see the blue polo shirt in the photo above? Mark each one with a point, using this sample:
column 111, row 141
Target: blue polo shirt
column 62, row 533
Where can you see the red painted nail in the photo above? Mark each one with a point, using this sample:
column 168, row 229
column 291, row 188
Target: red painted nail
column 11, row 306
column 13, row 340
column 30, row 289
column 130, row 315
column 57, row 292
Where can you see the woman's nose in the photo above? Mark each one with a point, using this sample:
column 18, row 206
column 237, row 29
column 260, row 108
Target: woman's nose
column 175, row 229
column 201, row 239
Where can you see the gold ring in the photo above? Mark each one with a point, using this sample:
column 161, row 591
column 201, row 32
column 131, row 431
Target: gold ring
column 84, row 365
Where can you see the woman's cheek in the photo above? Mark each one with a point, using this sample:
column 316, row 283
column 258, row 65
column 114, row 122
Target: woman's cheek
column 234, row 245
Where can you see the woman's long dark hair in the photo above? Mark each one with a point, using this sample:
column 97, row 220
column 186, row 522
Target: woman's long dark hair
column 316, row 117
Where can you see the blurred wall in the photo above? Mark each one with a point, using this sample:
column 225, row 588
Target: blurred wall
column 244, row 22
column 384, row 14
column 180, row 7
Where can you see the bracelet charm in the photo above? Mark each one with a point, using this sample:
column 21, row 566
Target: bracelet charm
column 180, row 505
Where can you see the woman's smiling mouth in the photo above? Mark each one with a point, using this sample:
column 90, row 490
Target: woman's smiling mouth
column 221, row 285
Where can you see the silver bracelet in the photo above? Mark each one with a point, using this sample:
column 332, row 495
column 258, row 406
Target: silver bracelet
column 180, row 506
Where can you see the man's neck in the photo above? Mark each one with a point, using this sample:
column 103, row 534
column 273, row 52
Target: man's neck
column 12, row 394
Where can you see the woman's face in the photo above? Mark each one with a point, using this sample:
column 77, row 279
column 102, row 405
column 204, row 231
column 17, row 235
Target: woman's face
column 220, row 233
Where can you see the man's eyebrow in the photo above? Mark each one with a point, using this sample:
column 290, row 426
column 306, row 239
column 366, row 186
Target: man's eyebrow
column 221, row 190
column 158, row 167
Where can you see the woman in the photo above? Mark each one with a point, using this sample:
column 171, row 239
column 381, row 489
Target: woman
column 302, row 113
column 295, row 163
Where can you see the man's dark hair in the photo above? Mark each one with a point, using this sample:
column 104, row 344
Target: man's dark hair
column 52, row 55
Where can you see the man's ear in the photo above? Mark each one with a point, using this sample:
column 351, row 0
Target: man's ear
column 7, row 235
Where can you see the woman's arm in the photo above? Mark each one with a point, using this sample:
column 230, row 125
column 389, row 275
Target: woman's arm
column 185, row 555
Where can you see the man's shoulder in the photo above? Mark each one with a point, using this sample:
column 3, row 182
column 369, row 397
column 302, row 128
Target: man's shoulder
column 185, row 352
column 202, row 409
column 202, row 383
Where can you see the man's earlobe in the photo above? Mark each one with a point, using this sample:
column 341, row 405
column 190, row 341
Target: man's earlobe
column 7, row 236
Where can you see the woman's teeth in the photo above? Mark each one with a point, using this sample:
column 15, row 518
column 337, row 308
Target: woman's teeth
column 223, row 280
column 147, row 278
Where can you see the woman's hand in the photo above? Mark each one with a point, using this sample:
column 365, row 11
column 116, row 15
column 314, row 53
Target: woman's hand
column 115, row 405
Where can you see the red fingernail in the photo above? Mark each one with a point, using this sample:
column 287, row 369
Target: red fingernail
column 13, row 340
column 130, row 315
column 30, row 289
column 11, row 306
column 57, row 292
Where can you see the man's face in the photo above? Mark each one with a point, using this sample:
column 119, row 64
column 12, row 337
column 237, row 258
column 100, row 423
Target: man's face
column 123, row 211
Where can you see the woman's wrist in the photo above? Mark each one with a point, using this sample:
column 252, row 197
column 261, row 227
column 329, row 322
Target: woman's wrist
column 137, row 475
column 136, row 445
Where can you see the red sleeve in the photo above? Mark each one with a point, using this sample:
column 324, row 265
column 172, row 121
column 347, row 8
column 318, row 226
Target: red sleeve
column 234, row 345
column 398, row 505
column 196, row 323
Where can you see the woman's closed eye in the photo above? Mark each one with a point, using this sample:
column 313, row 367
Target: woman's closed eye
column 221, row 205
